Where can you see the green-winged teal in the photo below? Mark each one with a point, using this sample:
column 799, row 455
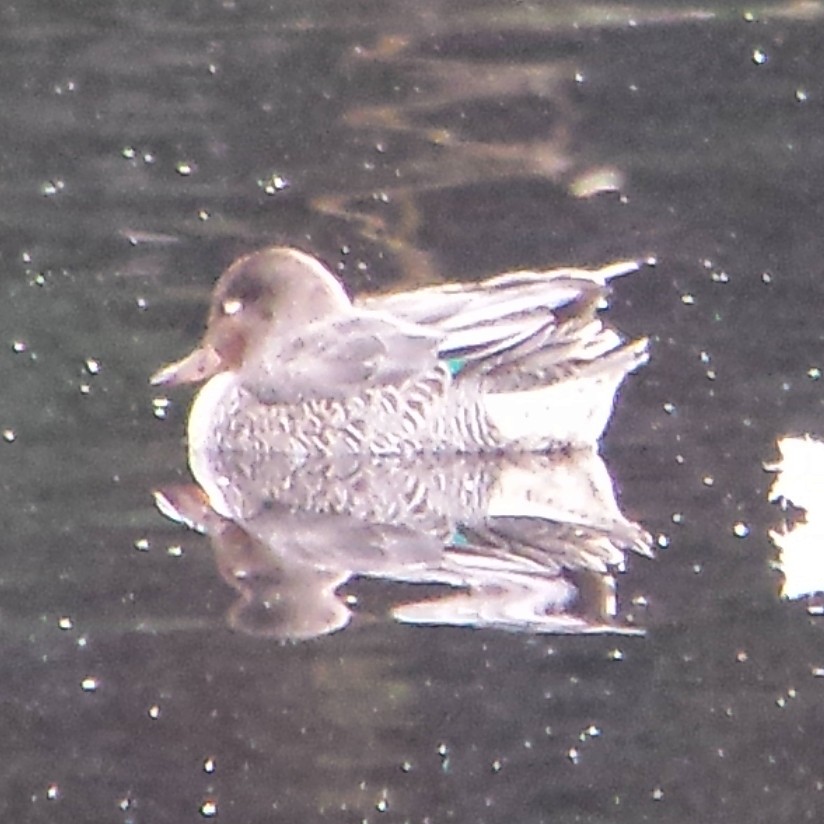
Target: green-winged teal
column 518, row 362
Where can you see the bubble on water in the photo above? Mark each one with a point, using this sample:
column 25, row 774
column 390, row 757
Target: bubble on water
column 740, row 529
column 160, row 407
column 52, row 187
column 274, row 183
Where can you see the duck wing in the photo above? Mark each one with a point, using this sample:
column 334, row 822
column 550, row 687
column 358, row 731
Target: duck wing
column 340, row 358
column 512, row 316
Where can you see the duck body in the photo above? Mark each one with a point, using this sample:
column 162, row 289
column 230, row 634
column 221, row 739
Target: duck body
column 519, row 362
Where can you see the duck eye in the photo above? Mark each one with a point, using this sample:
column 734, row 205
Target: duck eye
column 232, row 306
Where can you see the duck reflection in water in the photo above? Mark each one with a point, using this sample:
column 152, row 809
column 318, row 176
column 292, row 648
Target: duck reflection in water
column 527, row 542
column 446, row 435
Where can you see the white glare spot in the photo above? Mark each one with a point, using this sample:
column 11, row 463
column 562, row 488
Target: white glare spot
column 160, row 406
column 89, row 684
column 740, row 529
column 9, row 436
column 64, row 622
column 209, row 765
column 273, row 184
column 184, row 169
column 52, row 792
column 208, row 809
column 232, row 306
column 52, row 187
column 759, row 57
column 154, row 712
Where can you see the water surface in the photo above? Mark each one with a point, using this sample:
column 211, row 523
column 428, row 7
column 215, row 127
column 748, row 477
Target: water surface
column 145, row 147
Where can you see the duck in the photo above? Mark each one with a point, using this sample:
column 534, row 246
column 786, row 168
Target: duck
column 291, row 365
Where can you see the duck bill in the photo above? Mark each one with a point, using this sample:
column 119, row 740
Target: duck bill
column 200, row 365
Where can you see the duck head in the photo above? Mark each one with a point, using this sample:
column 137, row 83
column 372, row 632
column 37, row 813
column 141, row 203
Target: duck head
column 271, row 293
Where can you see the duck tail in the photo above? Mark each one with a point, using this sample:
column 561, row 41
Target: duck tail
column 573, row 409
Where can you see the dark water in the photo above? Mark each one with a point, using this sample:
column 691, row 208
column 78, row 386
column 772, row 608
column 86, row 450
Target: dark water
column 404, row 142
